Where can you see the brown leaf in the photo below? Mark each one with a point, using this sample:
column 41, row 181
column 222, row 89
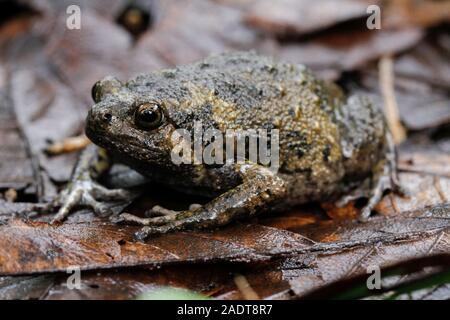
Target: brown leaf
column 213, row 280
column 347, row 49
column 190, row 31
column 39, row 247
column 427, row 62
column 288, row 17
column 416, row 13
column 16, row 167
column 323, row 269
column 31, row 247
column 393, row 276
column 25, row 288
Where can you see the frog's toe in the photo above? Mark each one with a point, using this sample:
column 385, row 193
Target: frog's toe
column 153, row 221
column 383, row 183
column 182, row 221
column 195, row 206
column 102, row 193
column 69, row 200
column 158, row 211
column 146, row 232
column 99, row 208
column 149, row 231
column 160, row 220
column 87, row 193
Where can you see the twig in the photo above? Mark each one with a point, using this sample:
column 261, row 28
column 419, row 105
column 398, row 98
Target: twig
column 68, row 145
column 386, row 73
column 244, row 287
column 437, row 186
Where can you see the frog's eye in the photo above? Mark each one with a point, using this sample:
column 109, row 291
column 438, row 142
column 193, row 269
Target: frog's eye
column 108, row 85
column 149, row 116
column 95, row 92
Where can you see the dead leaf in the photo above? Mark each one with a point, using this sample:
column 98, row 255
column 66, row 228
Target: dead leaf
column 38, row 247
column 46, row 248
column 17, row 170
column 346, row 50
column 25, row 288
column 291, row 17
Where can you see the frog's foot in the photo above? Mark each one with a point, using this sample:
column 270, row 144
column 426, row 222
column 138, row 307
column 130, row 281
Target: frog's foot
column 384, row 178
column 156, row 216
column 87, row 193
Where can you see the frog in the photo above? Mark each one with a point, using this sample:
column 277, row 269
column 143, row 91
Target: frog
column 331, row 146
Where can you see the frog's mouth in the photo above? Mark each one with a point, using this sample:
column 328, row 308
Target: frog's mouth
column 129, row 149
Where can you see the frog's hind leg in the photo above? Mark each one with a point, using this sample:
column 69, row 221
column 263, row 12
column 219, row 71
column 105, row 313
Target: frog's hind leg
column 259, row 188
column 384, row 177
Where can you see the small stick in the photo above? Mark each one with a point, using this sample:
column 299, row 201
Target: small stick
column 244, row 287
column 67, row 145
column 386, row 72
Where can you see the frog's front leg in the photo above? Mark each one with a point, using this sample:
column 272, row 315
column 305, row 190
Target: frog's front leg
column 83, row 190
column 259, row 189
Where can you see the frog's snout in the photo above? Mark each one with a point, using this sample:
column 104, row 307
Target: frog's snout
column 106, row 117
column 98, row 121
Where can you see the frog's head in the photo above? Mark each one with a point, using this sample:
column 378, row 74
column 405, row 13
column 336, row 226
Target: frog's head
column 134, row 126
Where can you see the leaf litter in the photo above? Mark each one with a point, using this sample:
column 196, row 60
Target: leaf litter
column 280, row 256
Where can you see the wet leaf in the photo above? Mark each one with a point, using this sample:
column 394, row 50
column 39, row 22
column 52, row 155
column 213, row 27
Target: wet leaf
column 416, row 278
column 287, row 17
column 31, row 247
column 40, row 247
column 346, row 50
column 17, row 170
column 24, row 288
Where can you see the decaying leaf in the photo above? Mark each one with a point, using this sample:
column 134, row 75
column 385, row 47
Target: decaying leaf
column 415, row 279
column 30, row 247
column 348, row 50
column 17, row 169
column 45, row 248
column 25, row 288
column 288, row 17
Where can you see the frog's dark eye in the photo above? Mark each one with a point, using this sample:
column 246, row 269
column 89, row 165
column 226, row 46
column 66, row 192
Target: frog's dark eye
column 95, row 92
column 149, row 116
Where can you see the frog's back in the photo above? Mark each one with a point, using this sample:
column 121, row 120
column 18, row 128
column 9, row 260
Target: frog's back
column 255, row 92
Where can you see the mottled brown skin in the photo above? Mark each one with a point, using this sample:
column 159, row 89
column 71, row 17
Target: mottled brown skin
column 330, row 145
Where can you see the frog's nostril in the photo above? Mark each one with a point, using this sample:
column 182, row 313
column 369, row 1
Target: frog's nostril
column 107, row 117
